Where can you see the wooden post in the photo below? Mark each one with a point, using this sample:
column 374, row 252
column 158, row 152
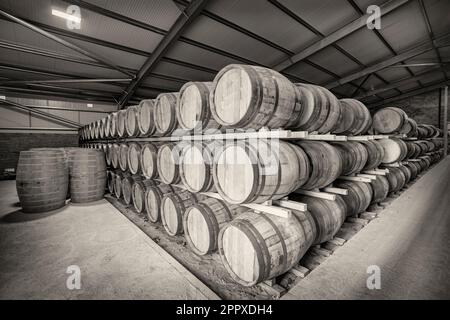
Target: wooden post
column 445, row 121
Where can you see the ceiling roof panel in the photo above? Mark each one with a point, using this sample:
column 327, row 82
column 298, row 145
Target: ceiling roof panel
column 328, row 57
column 372, row 83
column 432, row 77
column 186, row 52
column 388, row 94
column 161, row 14
column 404, row 27
column 232, row 41
column 393, row 74
column 309, row 73
column 183, row 72
column 325, row 15
column 409, row 86
column 265, row 20
column 365, row 46
column 92, row 24
column 438, row 12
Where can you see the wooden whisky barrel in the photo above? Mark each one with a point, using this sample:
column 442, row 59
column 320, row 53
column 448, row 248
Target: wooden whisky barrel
column 409, row 128
column 396, row 179
column 334, row 111
column 255, row 247
column 108, row 154
column 115, row 150
column 203, row 221
column 168, row 163
column 164, row 113
column 113, row 119
column 148, row 160
column 328, row 215
column 193, row 110
column 325, row 163
column 123, row 156
column 134, row 157
column 118, row 177
column 245, row 96
column 414, row 170
column 196, row 165
column 42, row 180
column 102, row 128
column 394, row 150
column 256, row 171
column 87, row 169
column 127, row 187
column 406, row 173
column 389, row 120
column 354, row 156
column 110, row 181
column 380, row 189
column 121, row 123
column 138, row 190
column 146, row 121
column 173, row 207
column 131, row 121
column 356, row 118
column 152, row 200
column 310, row 111
column 359, row 196
column 375, row 154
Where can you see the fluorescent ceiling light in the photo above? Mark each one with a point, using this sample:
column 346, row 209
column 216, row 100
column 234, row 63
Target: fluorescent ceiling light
column 90, row 105
column 66, row 16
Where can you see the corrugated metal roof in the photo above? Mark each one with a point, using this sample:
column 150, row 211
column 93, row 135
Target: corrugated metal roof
column 231, row 31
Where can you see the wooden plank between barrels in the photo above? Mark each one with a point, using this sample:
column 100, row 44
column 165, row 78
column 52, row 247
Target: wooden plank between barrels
column 321, row 195
column 340, row 191
column 277, row 211
column 360, row 179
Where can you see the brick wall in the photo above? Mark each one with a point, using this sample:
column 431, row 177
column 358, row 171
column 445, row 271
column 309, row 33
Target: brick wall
column 12, row 143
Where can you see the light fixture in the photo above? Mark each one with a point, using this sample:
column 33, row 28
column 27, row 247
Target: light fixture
column 66, row 16
column 90, row 105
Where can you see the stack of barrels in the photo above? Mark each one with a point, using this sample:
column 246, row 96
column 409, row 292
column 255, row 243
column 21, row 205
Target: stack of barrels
column 166, row 182
column 392, row 120
column 47, row 176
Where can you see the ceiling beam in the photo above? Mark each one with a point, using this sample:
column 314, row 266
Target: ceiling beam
column 430, row 33
column 425, row 89
column 182, row 22
column 41, row 113
column 107, row 44
column 398, row 83
column 337, row 35
column 394, row 85
column 425, row 47
column 62, row 56
column 139, row 24
column 88, row 80
column 65, row 43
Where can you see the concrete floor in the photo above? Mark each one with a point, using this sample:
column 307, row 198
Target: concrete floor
column 116, row 259
column 410, row 242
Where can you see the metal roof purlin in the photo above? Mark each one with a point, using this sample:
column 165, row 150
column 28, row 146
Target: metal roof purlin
column 183, row 21
column 337, row 35
column 422, row 48
column 65, row 43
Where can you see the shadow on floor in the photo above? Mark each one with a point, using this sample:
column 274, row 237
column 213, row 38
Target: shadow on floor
column 18, row 216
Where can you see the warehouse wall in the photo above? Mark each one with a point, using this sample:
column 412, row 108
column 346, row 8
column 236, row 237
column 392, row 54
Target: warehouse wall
column 21, row 130
column 423, row 108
